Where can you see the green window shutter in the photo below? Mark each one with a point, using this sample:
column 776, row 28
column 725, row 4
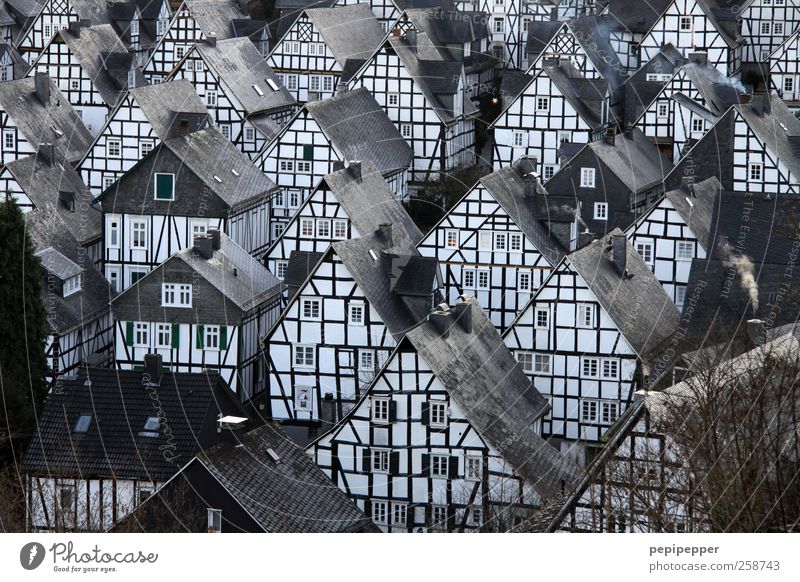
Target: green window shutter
column 129, row 333
column 223, row 337
column 200, row 337
column 308, row 152
column 176, row 335
column 165, row 186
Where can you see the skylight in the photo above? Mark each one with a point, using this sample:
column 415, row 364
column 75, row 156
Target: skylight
column 258, row 90
column 82, row 424
column 234, row 172
column 218, row 179
column 272, row 84
column 150, row 427
column 689, row 201
column 57, row 131
column 273, row 455
column 372, row 254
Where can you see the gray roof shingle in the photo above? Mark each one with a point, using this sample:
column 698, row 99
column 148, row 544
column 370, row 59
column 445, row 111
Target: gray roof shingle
column 635, row 160
column 160, row 103
column 351, row 33
column 697, row 207
column 57, row 264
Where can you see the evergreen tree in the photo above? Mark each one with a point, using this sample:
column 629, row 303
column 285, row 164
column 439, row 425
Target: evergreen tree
column 23, row 364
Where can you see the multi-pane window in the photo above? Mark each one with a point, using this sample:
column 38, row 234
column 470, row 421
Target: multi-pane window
column 394, row 99
column 141, row 334
column 609, row 412
column 600, row 210
column 405, row 130
column 587, row 177
column 549, row 170
column 380, row 409
column 113, row 147
column 755, row 171
column 339, row 229
column 438, row 414
column 542, row 363
column 589, row 411
column 698, row 125
column 145, row 147
column 684, row 250
column 525, row 360
column 475, row 279
column 645, row 250
column 138, row 234
column 662, row 110
column 323, row 228
column 311, row 308
column 211, row 339
column 500, row 241
column 439, row 465
column 306, row 227
column 380, row 512
column 163, row 335
column 9, row 140
column 590, row 367
column 380, row 460
column 542, row 317
column 788, row 84
column 286, row 165
column 399, row 513
column 680, row 296
column 211, row 98
column 280, row 269
column 366, row 360
column 515, row 242
column 72, row 285
column 519, row 139
column 303, row 167
column 291, row 82
column 439, row 517
column 474, row 468
column 249, row 134
column 304, row 356
column 292, row 48
column 451, row 239
column 685, row 23
column 499, row 25
column 765, row 28
column 543, row 104
column 175, row 295
column 355, row 314
column 476, row 515
column 585, row 316
column 180, row 51
column 524, row 282
column 611, row 369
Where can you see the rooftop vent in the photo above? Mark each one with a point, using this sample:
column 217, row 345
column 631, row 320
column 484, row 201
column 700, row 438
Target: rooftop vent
column 273, row 455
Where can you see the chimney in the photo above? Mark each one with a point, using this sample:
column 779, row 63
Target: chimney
column 203, row 246
column 699, row 57
column 619, row 252
column 211, row 39
column 67, row 199
column 355, row 170
column 152, row 368
column 756, row 332
column 396, row 32
column 761, row 103
column 609, row 136
column 687, row 184
column 794, row 141
column 629, row 130
column 385, row 232
column 47, row 152
column 215, row 238
column 530, row 183
column 244, row 7
column 411, row 39
column 230, row 428
column 41, row 87
column 440, row 318
column 183, row 127
column 585, row 237
column 338, row 165
column 327, row 411
column 463, row 315
column 745, row 98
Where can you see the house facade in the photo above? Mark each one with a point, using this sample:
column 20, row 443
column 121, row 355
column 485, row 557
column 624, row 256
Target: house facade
column 784, row 70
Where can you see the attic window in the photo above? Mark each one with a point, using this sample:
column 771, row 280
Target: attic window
column 258, row 90
column 272, row 84
column 235, row 173
column 217, row 178
column 273, row 455
column 150, row 427
column 57, row 131
column 82, row 424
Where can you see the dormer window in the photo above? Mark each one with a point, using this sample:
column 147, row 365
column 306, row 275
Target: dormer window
column 82, row 424
column 131, row 78
column 161, row 26
column 134, row 27
column 72, row 285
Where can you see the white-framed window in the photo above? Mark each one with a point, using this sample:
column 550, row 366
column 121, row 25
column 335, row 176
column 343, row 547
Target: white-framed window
column 542, row 363
column 141, row 334
column 113, row 147
column 525, row 360
column 587, row 177
column 543, row 104
column 291, row 82
column 113, row 233
column 515, row 242
column 684, row 250
column 585, row 315
column 146, row 146
column 323, row 228
column 294, row 198
column 601, row 210
column 380, row 460
column 475, row 278
column 303, row 167
column 211, row 98
column 439, row 465
column 199, row 228
column 139, row 234
column 524, row 281
column 225, row 130
column 161, row 26
column 645, row 250
column 176, row 295
column 327, row 83
column 366, row 360
column 438, row 413
column 355, row 314
column 499, row 25
column 380, row 409
column 339, row 229
column 180, row 51
column 685, row 24
column 662, row 110
column 590, row 367
column 292, row 48
column 213, row 520
column 610, row 369
column 451, row 239
column 542, row 318
column 108, row 181
column 476, row 515
column 307, row 227
column 755, row 171
column 72, row 285
column 211, row 337
column 549, row 171
column 564, row 136
column 439, row 517
column 474, row 468
column 788, row 84
column 249, row 134
column 609, row 411
column 698, row 125
column 113, row 278
column 286, row 166
column 500, row 241
column 314, row 83
column 394, row 99
column 380, row 512
column 765, row 28
column 589, row 411
column 311, row 308
column 405, row 129
column 305, row 356
column 519, row 139
column 163, row 335
column 280, row 269
column 680, row 296
column 399, row 513
column 484, row 240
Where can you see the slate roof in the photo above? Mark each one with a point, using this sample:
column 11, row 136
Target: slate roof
column 214, row 159
column 215, row 16
column 20, row 66
column 636, row 17
column 35, row 119
column 540, row 34
column 239, row 65
column 57, row 264
column 120, row 403
column 300, row 266
column 697, row 208
column 359, row 129
column 288, row 495
column 586, row 96
column 27, row 8
column 507, row 186
column 42, row 181
column 777, row 128
column 638, row 92
column 719, row 92
column 160, row 102
column 351, row 33
column 635, row 160
column 248, row 287
column 637, row 303
column 92, row 10
column 592, row 33
column 497, row 398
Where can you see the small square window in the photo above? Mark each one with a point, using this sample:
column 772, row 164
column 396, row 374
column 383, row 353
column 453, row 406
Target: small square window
column 686, row 23
column 339, row 229
column 304, row 356
column 601, row 211
column 609, row 412
column 684, row 250
column 645, row 250
column 113, row 148
column 394, row 99
column 611, row 369
column 662, row 110
column 405, row 130
column 323, row 228
column 542, row 104
column 355, row 314
column 451, row 239
column 542, row 363
column 311, row 309
column 755, row 171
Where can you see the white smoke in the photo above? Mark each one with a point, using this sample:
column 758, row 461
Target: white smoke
column 744, row 267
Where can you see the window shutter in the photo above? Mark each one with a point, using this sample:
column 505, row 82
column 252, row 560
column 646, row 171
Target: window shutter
column 200, row 338
column 426, row 465
column 392, row 411
column 176, row 335
column 426, row 414
column 452, row 468
column 223, row 337
column 368, row 507
column 129, row 333
column 394, row 463
column 365, row 461
column 308, row 153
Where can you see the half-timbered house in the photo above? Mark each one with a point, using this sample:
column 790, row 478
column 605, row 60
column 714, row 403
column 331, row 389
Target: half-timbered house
column 243, row 95
column 784, row 70
column 92, row 68
column 346, row 203
column 183, row 187
column 589, row 337
column 427, row 448
column 33, row 112
column 356, row 304
column 12, row 65
column 144, row 118
column 323, row 48
column 423, row 91
column 195, row 20
column 549, row 118
column 15, row 17
column 493, row 245
column 204, row 308
column 387, row 12
column 627, row 23
column 140, row 24
column 75, row 481
column 324, row 134
column 553, row 39
column 765, row 26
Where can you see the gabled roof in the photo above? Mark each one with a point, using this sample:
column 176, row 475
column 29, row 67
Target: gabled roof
column 160, row 103
column 119, row 402
column 696, row 206
column 20, row 66
column 636, row 17
column 719, row 92
column 239, row 65
column 57, row 264
column 359, row 129
column 215, row 16
column 496, row 396
column 36, row 120
column 777, row 128
column 290, row 494
column 351, row 33
column 634, row 159
column 235, row 273
column 639, row 92
column 216, row 161
column 540, row 34
column 592, row 32
column 301, row 264
column 723, row 15
column 26, row 8
column 636, row 303
column 586, row 96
